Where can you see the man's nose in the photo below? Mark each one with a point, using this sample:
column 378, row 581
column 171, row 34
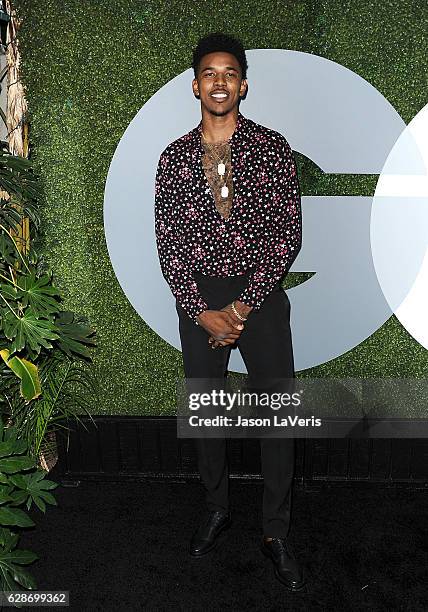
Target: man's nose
column 220, row 80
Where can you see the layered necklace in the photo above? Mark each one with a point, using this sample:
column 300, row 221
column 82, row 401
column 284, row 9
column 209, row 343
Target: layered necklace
column 221, row 165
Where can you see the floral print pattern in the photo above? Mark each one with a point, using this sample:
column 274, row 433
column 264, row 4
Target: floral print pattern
column 263, row 232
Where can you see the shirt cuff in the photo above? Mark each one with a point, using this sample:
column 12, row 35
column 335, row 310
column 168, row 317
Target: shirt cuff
column 198, row 312
column 247, row 297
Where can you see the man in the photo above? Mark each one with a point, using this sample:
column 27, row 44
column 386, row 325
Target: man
column 228, row 228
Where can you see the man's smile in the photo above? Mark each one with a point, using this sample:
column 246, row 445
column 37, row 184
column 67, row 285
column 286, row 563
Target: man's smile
column 219, row 96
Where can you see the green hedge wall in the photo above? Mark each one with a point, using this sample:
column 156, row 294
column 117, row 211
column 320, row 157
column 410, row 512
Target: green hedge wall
column 88, row 67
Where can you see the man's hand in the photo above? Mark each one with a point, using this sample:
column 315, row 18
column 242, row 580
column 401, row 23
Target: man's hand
column 220, row 325
column 243, row 310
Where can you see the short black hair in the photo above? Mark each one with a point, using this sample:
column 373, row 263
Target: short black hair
column 218, row 41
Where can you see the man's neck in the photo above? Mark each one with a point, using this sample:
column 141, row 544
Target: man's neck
column 218, row 129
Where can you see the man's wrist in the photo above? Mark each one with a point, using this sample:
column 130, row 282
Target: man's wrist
column 243, row 309
column 199, row 317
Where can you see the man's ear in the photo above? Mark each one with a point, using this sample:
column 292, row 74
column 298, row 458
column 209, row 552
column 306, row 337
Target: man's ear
column 195, row 87
column 243, row 84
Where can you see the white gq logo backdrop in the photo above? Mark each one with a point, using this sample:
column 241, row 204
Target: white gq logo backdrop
column 369, row 254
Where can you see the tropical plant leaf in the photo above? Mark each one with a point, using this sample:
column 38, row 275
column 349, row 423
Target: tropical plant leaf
column 18, row 480
column 8, row 583
column 7, row 251
column 36, row 477
column 39, row 503
column 10, row 291
column 74, row 334
column 38, row 481
column 17, row 177
column 27, row 372
column 9, row 433
column 12, row 213
column 22, row 576
column 10, row 447
column 8, row 539
column 5, row 496
column 23, row 557
column 33, row 488
column 10, row 216
column 18, row 497
column 27, row 329
column 38, row 292
column 10, row 465
column 67, row 390
column 15, row 516
column 47, row 497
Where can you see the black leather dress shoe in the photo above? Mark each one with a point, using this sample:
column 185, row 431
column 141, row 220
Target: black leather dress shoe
column 205, row 537
column 287, row 569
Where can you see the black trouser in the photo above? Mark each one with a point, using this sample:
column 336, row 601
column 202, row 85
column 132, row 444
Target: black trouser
column 266, row 348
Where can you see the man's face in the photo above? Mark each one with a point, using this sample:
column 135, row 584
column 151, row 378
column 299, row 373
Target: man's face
column 219, row 73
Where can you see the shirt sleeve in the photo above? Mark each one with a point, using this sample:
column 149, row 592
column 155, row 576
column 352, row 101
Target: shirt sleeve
column 285, row 238
column 175, row 268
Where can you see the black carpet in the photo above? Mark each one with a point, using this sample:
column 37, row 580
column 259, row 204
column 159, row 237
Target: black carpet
column 124, row 547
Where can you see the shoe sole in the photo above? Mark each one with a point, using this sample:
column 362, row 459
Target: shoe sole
column 214, row 544
column 294, row 589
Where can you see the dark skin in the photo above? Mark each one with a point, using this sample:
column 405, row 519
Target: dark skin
column 220, row 71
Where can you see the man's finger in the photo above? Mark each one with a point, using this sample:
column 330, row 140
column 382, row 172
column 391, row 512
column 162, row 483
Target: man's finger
column 233, row 322
column 228, row 336
column 217, row 343
column 236, row 325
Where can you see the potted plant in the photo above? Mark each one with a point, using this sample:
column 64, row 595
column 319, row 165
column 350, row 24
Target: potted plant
column 45, row 374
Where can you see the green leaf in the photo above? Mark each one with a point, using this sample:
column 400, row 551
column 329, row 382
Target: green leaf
column 34, row 488
column 28, row 330
column 8, row 539
column 36, row 476
column 15, row 516
column 10, row 292
column 7, row 249
column 27, row 372
column 5, row 497
column 19, row 481
column 16, row 464
column 10, row 432
column 8, row 583
column 48, row 484
column 10, row 447
column 39, row 503
column 23, row 557
column 74, row 335
column 50, row 499
column 18, row 179
column 18, row 497
column 38, row 294
column 22, row 576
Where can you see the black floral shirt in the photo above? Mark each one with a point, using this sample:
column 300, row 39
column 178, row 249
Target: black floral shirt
column 262, row 233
